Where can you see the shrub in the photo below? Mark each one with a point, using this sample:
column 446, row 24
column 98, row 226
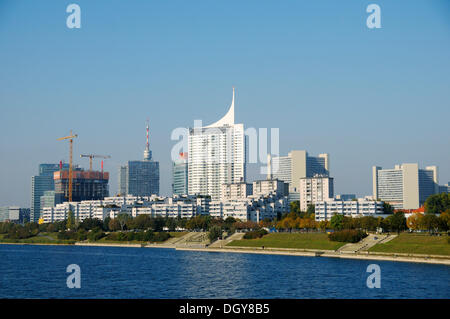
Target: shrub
column 95, row 235
column 158, row 237
column 214, row 233
column 347, row 236
column 65, row 235
column 255, row 234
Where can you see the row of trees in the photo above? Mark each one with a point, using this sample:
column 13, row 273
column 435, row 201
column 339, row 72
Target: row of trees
column 429, row 222
column 395, row 222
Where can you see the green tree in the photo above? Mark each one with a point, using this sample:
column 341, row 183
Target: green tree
column 337, row 222
column 429, row 222
column 295, row 206
column 311, row 210
column 369, row 223
column 123, row 219
column 396, row 222
column 387, row 208
column 91, row 223
column 70, row 220
column 106, row 223
column 214, row 233
column 171, row 224
column 142, row 222
column 437, row 203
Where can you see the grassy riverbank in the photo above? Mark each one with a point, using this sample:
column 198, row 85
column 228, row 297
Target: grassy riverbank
column 415, row 244
column 52, row 238
column 41, row 238
column 290, row 240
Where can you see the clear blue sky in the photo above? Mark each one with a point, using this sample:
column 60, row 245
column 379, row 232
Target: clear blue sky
column 311, row 68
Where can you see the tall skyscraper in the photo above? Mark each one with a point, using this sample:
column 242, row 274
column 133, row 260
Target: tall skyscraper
column 140, row 178
column 180, row 175
column 298, row 164
column 216, row 155
column 405, row 186
column 41, row 183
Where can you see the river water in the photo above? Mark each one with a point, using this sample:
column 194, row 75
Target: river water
column 31, row 271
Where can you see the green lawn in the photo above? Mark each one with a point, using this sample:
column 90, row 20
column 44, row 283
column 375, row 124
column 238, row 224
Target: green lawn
column 42, row 238
column 290, row 240
column 415, row 244
column 106, row 241
column 177, row 233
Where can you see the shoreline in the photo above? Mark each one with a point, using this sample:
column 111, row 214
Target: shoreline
column 399, row 257
column 330, row 254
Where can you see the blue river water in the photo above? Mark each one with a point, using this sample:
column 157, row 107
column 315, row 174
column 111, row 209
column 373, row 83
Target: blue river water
column 31, row 271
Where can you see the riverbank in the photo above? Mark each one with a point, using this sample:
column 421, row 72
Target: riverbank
column 300, row 244
column 442, row 260
column 399, row 257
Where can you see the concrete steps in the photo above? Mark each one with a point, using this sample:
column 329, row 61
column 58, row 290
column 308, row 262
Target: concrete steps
column 223, row 242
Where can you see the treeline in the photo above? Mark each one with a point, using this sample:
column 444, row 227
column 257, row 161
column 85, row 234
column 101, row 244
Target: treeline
column 396, row 222
column 125, row 228
column 16, row 231
column 429, row 222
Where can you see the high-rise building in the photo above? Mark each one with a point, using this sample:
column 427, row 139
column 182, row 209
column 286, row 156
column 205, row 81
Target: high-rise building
column 216, row 155
column 298, row 164
column 180, row 175
column 315, row 189
column 140, row 178
column 41, row 183
column 92, row 185
column 405, row 186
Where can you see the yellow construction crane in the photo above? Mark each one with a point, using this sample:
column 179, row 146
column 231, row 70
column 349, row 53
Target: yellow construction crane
column 70, row 138
column 91, row 156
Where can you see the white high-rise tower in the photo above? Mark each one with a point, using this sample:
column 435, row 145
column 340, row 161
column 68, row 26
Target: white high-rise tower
column 216, row 155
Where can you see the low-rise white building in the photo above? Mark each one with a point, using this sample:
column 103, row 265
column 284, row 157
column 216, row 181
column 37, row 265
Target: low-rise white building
column 324, row 210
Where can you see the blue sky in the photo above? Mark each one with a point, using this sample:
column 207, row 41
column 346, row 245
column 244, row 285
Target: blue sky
column 311, row 68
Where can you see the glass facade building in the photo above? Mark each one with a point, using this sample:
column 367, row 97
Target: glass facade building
column 41, row 183
column 180, row 177
column 142, row 178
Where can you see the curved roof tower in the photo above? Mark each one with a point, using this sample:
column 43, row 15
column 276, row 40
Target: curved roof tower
column 228, row 119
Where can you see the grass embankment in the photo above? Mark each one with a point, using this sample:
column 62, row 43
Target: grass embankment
column 104, row 240
column 52, row 238
column 290, row 240
column 41, row 238
column 415, row 244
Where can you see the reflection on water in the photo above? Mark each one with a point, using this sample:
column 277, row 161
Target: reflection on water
column 116, row 272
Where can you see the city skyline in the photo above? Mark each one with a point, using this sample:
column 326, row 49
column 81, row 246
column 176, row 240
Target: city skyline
column 343, row 104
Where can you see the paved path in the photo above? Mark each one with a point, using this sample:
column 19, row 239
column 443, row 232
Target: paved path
column 365, row 243
column 224, row 242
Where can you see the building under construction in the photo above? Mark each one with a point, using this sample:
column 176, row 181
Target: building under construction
column 92, row 185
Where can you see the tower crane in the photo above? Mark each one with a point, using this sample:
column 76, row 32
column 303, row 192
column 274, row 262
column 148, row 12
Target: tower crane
column 70, row 138
column 91, row 156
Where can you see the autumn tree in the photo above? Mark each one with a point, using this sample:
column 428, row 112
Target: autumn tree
column 414, row 221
